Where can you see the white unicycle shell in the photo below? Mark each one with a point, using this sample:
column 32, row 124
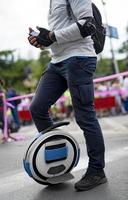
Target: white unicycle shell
column 50, row 158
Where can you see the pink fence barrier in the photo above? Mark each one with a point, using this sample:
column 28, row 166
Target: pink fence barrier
column 111, row 77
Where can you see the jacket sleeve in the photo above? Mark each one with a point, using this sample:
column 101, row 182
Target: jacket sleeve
column 81, row 9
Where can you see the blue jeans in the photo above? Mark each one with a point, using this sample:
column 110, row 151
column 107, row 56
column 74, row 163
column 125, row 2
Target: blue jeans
column 75, row 73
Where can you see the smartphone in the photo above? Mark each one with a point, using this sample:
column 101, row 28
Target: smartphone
column 34, row 33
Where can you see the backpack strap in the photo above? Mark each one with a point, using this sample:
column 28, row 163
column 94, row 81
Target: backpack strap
column 69, row 11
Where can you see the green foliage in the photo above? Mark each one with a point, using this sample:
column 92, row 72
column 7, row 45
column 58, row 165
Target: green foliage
column 44, row 59
column 13, row 71
column 39, row 66
column 124, row 46
column 17, row 76
column 122, row 65
column 6, row 53
column 104, row 67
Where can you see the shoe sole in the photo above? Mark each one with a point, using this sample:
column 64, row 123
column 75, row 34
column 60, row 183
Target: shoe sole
column 102, row 181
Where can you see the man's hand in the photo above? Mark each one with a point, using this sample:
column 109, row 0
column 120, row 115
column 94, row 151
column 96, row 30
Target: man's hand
column 33, row 39
column 45, row 37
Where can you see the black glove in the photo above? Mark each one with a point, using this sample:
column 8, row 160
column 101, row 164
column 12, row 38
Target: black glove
column 43, row 38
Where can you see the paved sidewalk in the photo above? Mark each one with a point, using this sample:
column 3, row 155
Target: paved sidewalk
column 15, row 184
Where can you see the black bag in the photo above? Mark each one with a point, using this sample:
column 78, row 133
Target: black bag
column 100, row 34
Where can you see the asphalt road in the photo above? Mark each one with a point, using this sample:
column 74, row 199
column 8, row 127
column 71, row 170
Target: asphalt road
column 16, row 185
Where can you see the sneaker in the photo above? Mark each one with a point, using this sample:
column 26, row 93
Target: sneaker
column 90, row 181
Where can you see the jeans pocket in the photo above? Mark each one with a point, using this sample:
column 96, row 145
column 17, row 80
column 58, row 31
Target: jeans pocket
column 87, row 64
column 86, row 93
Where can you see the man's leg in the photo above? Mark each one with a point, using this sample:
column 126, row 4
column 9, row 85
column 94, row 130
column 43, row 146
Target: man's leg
column 16, row 117
column 50, row 88
column 1, row 120
column 80, row 80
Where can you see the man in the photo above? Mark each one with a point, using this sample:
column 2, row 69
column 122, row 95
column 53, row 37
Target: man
column 11, row 92
column 1, row 105
column 2, row 91
column 73, row 64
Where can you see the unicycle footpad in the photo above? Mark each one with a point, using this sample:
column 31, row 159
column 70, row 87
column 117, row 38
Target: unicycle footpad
column 60, row 179
column 55, row 125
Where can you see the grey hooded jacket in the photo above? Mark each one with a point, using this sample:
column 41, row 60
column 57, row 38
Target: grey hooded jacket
column 69, row 40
